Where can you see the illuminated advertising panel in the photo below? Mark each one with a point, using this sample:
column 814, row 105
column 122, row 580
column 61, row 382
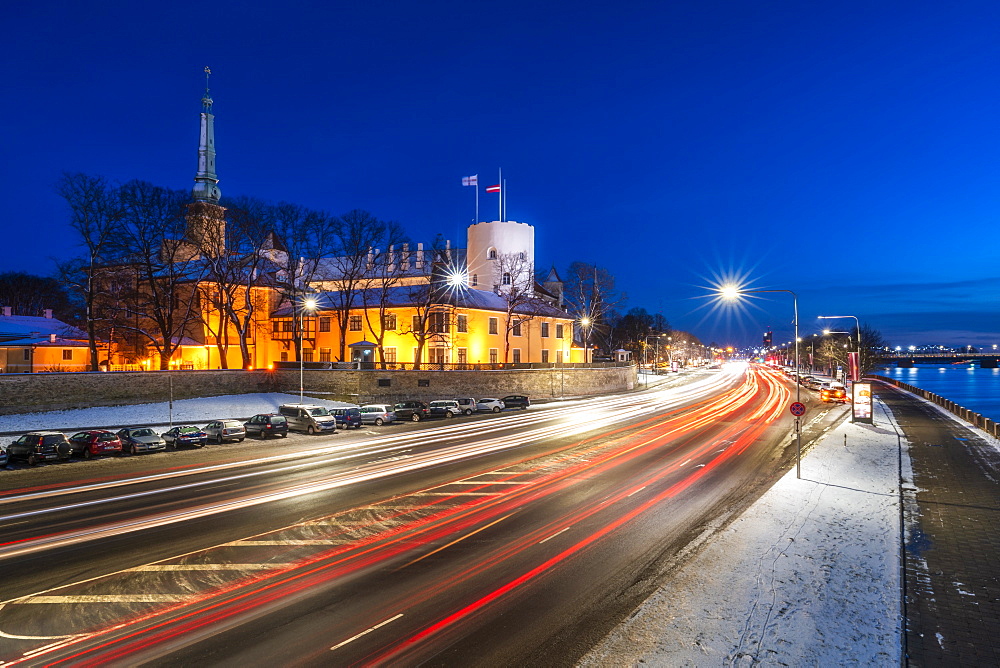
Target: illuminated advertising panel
column 862, row 402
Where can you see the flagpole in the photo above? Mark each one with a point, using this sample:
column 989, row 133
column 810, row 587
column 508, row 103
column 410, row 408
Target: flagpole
column 476, row 219
column 503, row 193
column 500, row 199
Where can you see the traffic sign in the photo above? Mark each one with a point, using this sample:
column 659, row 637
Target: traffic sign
column 798, row 408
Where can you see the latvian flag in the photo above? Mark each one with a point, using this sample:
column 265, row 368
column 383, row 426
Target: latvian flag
column 470, row 180
column 493, row 189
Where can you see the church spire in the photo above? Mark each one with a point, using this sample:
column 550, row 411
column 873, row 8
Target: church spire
column 206, row 188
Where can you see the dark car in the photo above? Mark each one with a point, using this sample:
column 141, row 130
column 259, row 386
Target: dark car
column 40, row 446
column 516, row 401
column 3, row 457
column 411, row 410
column 179, row 436
column 267, row 424
column 347, row 417
column 141, row 439
column 95, row 442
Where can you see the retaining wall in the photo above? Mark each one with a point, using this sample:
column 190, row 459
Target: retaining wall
column 22, row 393
column 988, row 425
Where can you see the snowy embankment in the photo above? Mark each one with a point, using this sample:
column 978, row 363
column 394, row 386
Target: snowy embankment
column 185, row 411
column 809, row 575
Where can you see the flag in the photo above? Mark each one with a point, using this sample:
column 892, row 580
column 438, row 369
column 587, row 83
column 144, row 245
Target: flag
column 470, row 180
column 493, row 189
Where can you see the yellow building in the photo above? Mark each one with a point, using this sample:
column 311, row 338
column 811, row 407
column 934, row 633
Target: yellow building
column 32, row 344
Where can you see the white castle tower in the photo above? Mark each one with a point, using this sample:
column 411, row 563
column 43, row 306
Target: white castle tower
column 501, row 254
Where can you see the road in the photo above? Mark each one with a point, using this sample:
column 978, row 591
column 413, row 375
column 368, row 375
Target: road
column 519, row 538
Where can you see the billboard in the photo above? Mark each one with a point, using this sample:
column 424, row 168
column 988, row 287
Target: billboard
column 861, row 403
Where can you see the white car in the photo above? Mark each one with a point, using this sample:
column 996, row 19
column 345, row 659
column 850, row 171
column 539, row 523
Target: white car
column 489, row 405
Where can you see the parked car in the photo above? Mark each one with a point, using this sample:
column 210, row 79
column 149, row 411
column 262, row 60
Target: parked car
column 39, row 446
column 141, row 439
column 377, row 414
column 309, row 418
column 268, row 424
column 347, row 417
column 225, row 430
column 179, row 436
column 3, row 457
column 516, row 401
column 489, row 405
column 95, row 442
column 445, row 408
column 411, row 410
column 468, row 406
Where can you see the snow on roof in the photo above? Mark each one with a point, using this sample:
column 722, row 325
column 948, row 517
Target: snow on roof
column 13, row 327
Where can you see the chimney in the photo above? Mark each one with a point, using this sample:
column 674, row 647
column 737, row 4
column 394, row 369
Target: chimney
column 370, row 262
column 405, row 257
column 447, row 250
column 52, row 338
column 391, row 266
column 8, row 311
column 47, row 313
column 420, row 256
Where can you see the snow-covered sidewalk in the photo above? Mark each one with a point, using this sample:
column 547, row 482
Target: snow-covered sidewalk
column 809, row 575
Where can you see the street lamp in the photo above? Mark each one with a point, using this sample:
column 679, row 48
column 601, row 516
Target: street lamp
column 585, row 323
column 834, row 317
column 308, row 304
column 732, row 293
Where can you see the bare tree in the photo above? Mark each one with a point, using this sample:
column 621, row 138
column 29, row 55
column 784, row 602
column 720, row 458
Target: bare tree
column 590, row 293
column 380, row 286
column 96, row 216
column 303, row 237
column 515, row 276
column 161, row 304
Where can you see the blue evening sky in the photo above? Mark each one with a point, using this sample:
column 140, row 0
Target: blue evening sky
column 847, row 151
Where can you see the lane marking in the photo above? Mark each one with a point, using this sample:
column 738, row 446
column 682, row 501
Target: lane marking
column 482, row 528
column 554, row 535
column 682, row 464
column 153, row 568
column 366, row 632
column 455, row 494
column 106, row 598
column 487, row 482
column 638, row 490
column 266, row 543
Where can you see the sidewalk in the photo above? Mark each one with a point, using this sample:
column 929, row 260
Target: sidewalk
column 952, row 508
column 810, row 575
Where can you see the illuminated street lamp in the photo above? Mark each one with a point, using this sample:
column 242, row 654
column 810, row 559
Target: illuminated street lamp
column 834, row 317
column 732, row 293
column 585, row 323
column 308, row 304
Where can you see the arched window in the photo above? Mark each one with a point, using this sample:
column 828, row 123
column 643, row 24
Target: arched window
column 506, row 279
column 521, row 255
column 475, row 279
column 492, row 253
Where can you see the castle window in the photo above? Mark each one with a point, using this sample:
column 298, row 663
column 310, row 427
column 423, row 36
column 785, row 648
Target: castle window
column 516, row 352
column 494, row 323
column 545, row 330
column 559, row 331
column 493, row 355
column 516, row 328
column 67, row 355
column 492, row 254
column 324, row 326
column 475, row 279
column 506, row 279
column 355, row 323
column 521, row 255
column 389, row 322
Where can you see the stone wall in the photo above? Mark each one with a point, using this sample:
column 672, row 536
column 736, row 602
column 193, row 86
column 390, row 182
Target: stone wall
column 25, row 393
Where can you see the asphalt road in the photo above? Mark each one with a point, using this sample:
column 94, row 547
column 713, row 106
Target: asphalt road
column 517, row 538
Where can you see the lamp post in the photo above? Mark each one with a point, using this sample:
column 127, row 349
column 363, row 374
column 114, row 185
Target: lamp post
column 834, row 317
column 585, row 323
column 308, row 304
column 734, row 293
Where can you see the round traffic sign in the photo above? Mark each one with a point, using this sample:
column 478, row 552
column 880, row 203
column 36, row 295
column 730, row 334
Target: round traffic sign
column 798, row 408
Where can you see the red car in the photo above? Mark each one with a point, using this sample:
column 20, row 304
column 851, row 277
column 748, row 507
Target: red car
column 94, row 443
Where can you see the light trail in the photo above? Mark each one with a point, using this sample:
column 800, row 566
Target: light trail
column 227, row 603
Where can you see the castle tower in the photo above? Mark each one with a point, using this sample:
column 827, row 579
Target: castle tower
column 206, row 219
column 501, row 254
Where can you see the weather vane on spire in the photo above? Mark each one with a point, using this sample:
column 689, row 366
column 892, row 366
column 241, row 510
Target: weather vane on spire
column 207, row 100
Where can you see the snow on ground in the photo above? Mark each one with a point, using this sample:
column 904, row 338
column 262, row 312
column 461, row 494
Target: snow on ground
column 809, row 575
column 185, row 411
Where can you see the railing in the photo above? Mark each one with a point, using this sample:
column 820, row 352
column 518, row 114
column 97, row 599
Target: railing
column 988, row 425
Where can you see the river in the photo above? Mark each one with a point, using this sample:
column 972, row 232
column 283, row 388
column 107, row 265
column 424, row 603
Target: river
column 967, row 385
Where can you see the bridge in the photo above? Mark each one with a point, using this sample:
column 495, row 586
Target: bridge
column 906, row 360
